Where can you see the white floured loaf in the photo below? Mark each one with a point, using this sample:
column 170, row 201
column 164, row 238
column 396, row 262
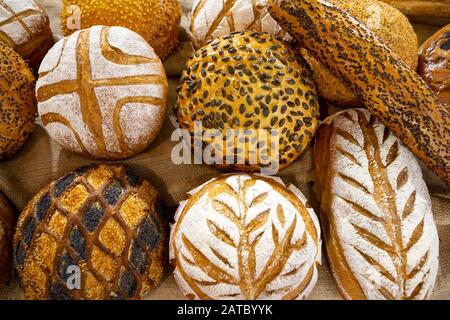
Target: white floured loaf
column 212, row 19
column 102, row 92
column 25, row 27
column 245, row 237
column 381, row 239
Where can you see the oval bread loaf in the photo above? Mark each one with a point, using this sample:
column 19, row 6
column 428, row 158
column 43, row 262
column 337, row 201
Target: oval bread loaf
column 381, row 239
column 389, row 89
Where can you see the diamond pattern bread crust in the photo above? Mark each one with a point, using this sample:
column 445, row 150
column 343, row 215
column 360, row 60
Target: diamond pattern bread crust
column 102, row 92
column 245, row 237
column 381, row 239
column 212, row 19
column 389, row 89
column 7, row 220
column 105, row 220
column 25, row 27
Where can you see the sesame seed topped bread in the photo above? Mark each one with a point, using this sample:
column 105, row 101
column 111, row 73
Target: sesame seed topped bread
column 389, row 89
column 246, row 237
column 155, row 20
column 25, row 27
column 387, row 23
column 17, row 102
column 102, row 92
column 212, row 19
column 7, row 220
column 250, row 81
column 379, row 231
column 434, row 63
column 423, row 8
column 104, row 221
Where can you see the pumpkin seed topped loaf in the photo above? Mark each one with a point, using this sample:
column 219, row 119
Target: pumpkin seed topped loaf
column 102, row 222
column 251, row 83
column 17, row 102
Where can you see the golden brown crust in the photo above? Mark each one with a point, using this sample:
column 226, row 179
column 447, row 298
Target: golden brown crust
column 434, row 63
column 7, row 220
column 250, row 81
column 388, row 88
column 156, row 21
column 17, row 102
column 103, row 219
column 422, row 8
column 386, row 22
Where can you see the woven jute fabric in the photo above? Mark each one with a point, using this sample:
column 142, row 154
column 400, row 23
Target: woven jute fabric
column 42, row 160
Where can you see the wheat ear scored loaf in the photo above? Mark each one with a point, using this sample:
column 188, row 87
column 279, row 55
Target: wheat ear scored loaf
column 380, row 236
column 389, row 89
column 245, row 237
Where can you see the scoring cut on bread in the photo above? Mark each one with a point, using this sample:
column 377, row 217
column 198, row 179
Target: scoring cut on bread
column 380, row 236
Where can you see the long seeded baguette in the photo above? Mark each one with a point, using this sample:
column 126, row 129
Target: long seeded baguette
column 389, row 89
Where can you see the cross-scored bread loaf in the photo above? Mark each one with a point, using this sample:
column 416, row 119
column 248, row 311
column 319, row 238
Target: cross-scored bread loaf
column 380, row 236
column 102, row 92
column 25, row 27
column 245, row 237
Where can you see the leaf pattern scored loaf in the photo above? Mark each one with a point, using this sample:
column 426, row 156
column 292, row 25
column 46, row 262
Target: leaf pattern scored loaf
column 380, row 235
column 245, row 237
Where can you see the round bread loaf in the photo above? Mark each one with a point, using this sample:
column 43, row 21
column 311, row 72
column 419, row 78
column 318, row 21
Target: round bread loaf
column 434, row 63
column 245, row 237
column 25, row 27
column 17, row 102
column 253, row 84
column 389, row 24
column 213, row 19
column 7, row 220
column 100, row 226
column 155, row 20
column 102, row 92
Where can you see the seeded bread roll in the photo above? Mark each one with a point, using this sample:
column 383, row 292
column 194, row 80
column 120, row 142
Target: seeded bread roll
column 25, row 27
column 380, row 236
column 104, row 221
column 155, row 20
column 102, row 92
column 386, row 22
column 212, row 19
column 389, row 89
column 17, row 102
column 7, row 220
column 247, row 82
column 434, row 63
column 245, row 237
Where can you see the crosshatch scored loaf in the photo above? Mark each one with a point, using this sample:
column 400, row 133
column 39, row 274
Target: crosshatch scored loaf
column 102, row 92
column 245, row 237
column 389, row 89
column 25, row 27
column 380, row 236
column 103, row 219
column 212, row 19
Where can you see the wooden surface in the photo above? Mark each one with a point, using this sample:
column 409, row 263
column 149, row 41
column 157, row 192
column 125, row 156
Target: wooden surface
column 42, row 161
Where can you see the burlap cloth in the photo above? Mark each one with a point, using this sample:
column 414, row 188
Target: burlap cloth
column 42, row 161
